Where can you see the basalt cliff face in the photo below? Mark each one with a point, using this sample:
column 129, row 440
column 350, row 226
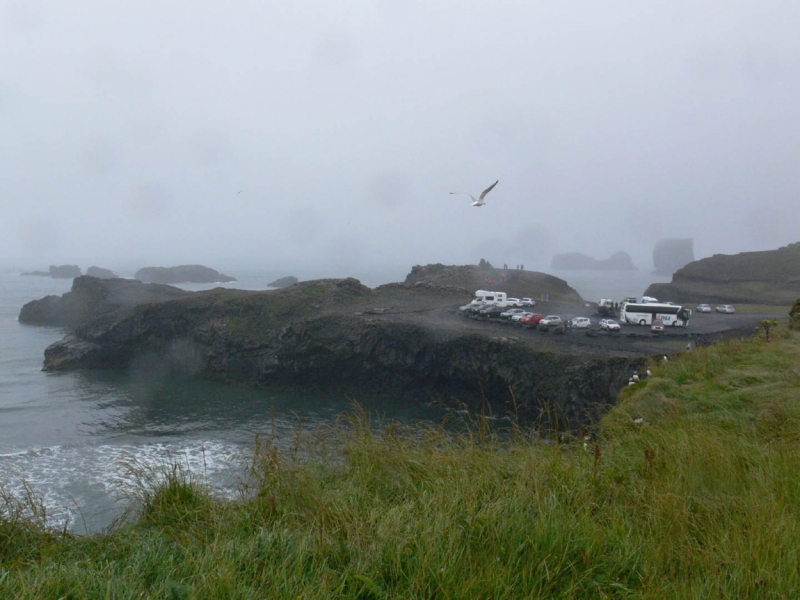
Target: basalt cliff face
column 403, row 339
column 767, row 277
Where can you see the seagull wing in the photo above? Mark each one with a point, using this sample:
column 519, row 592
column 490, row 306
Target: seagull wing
column 466, row 194
column 489, row 189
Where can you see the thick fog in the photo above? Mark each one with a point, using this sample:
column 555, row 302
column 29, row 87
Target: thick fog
column 286, row 135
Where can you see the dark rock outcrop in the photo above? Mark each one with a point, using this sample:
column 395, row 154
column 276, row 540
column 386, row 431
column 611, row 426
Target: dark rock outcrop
column 65, row 271
column 514, row 282
column 92, row 298
column 619, row 261
column 669, row 255
column 766, row 277
column 101, row 273
column 182, row 274
column 283, row 282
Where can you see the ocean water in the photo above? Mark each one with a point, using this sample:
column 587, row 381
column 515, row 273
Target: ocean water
column 70, row 437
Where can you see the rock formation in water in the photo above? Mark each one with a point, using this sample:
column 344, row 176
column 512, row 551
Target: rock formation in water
column 91, row 298
column 619, row 261
column 669, row 255
column 766, row 277
column 101, row 273
column 65, row 271
column 283, row 282
column 181, row 274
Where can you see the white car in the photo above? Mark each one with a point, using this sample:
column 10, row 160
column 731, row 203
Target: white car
column 609, row 325
column 703, row 308
column 550, row 321
column 726, row 308
column 513, row 302
column 528, row 302
column 581, row 323
column 511, row 312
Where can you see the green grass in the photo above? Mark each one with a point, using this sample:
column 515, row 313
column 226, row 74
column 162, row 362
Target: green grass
column 690, row 490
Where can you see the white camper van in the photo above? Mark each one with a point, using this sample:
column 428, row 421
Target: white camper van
column 496, row 298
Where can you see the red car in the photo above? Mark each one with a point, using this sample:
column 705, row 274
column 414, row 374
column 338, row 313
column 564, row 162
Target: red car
column 531, row 320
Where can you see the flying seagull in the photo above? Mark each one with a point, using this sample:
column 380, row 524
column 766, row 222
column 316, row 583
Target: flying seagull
column 479, row 201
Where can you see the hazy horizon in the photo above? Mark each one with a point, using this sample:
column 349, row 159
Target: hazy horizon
column 327, row 138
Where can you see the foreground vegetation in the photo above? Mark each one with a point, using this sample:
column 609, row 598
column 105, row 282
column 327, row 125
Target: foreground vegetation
column 689, row 489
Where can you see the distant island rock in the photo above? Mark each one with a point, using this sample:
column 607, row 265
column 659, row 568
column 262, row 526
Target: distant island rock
column 181, row 274
column 619, row 261
column 65, row 271
column 91, row 298
column 766, row 277
column 283, row 282
column 57, row 272
column 101, row 273
column 671, row 254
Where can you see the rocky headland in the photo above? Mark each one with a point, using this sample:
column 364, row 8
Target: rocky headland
column 92, row 298
column 619, row 261
column 406, row 339
column 465, row 279
column 403, row 339
column 283, row 282
column 769, row 277
column 181, row 274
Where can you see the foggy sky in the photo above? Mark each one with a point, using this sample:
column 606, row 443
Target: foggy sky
column 289, row 134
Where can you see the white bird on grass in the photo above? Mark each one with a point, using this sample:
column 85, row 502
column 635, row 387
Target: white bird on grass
column 479, row 200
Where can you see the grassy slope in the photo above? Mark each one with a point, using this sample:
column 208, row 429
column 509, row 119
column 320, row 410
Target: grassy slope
column 699, row 499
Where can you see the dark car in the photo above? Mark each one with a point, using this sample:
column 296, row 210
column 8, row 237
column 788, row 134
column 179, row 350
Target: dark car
column 492, row 311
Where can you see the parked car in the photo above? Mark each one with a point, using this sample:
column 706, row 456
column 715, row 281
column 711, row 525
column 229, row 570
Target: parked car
column 532, row 320
column 657, row 326
column 609, row 325
column 703, row 308
column 550, row 321
column 726, row 308
column 491, row 311
column 581, row 323
column 513, row 302
column 507, row 314
column 528, row 302
column 475, row 308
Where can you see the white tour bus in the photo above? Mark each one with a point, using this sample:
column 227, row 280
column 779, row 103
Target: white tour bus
column 643, row 314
